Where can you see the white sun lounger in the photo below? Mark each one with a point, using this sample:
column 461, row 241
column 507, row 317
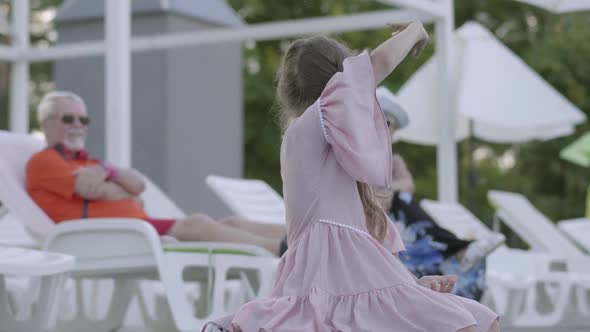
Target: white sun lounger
column 518, row 280
column 128, row 250
column 543, row 236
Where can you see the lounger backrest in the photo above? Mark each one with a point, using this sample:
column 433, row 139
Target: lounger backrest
column 531, row 225
column 249, row 199
column 578, row 230
column 157, row 204
column 456, row 218
column 15, row 151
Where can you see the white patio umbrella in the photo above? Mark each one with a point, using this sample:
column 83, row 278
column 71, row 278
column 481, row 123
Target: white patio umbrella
column 560, row 6
column 506, row 100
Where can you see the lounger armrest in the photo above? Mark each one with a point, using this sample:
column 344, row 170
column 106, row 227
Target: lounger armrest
column 107, row 245
column 508, row 280
column 539, row 268
column 546, row 263
column 521, row 267
column 218, row 248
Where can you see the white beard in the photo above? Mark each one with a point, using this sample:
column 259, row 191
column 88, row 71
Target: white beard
column 74, row 141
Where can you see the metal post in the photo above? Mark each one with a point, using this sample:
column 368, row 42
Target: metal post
column 447, row 147
column 256, row 31
column 118, row 83
column 19, row 70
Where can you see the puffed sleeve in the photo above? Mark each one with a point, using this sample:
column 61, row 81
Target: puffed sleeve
column 354, row 125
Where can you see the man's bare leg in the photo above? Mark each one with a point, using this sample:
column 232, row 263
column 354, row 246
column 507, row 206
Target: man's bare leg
column 200, row 227
column 274, row 231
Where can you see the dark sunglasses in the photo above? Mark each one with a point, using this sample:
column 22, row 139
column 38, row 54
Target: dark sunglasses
column 70, row 118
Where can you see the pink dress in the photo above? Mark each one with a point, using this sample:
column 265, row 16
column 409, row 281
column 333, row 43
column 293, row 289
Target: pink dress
column 335, row 275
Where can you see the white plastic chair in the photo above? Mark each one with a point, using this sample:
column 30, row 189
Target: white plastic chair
column 249, row 199
column 521, row 284
column 543, row 236
column 127, row 250
column 38, row 311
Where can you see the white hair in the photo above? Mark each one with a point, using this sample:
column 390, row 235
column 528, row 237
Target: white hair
column 47, row 105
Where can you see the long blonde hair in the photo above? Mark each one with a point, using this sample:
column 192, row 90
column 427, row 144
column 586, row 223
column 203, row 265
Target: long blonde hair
column 306, row 68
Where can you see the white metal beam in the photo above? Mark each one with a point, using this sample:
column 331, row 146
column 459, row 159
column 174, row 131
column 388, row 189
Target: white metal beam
column 8, row 53
column 284, row 29
column 446, row 153
column 118, row 82
column 261, row 31
column 66, row 51
column 435, row 8
column 19, row 76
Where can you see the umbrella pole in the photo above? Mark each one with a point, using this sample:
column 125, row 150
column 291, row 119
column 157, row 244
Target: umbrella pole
column 471, row 171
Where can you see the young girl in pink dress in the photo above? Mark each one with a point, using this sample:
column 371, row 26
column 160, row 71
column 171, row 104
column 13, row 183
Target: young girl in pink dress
column 341, row 272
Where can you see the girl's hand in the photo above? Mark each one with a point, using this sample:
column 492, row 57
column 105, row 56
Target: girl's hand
column 387, row 56
column 442, row 284
column 421, row 36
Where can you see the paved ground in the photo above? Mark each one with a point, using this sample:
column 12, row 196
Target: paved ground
column 543, row 330
column 502, row 330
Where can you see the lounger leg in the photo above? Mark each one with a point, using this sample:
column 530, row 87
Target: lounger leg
column 583, row 301
column 116, row 310
column 218, row 298
column 171, row 272
column 42, row 317
column 532, row 317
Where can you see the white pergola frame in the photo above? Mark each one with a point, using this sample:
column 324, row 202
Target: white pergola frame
column 119, row 44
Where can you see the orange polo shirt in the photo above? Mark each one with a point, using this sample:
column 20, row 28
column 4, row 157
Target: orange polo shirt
column 51, row 182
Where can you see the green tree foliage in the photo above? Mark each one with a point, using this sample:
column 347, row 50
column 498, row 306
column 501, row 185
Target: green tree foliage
column 41, row 73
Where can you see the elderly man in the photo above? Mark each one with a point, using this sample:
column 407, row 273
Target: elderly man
column 67, row 184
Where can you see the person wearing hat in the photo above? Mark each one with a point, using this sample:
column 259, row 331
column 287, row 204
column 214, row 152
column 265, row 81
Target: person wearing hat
column 430, row 249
